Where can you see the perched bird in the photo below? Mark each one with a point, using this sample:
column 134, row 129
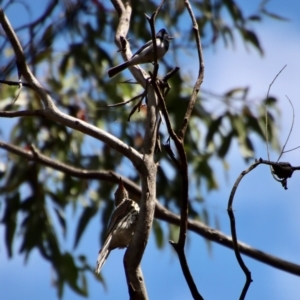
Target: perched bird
column 146, row 53
column 121, row 227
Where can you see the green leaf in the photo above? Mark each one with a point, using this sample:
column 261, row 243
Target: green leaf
column 47, row 38
column 69, row 272
column 58, row 198
column 12, row 204
column 64, row 64
column 16, row 176
column 87, row 214
column 34, row 218
column 202, row 167
column 225, row 144
column 213, row 129
column 254, row 18
column 274, row 16
column 251, row 37
column 234, row 10
column 62, row 220
column 247, row 149
column 239, row 126
column 173, row 232
column 253, row 124
column 236, row 92
column 158, row 233
column 42, row 55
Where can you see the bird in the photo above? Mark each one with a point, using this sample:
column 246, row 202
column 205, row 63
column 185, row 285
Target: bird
column 146, row 53
column 121, row 226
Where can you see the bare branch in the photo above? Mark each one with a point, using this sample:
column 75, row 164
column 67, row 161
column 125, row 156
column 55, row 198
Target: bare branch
column 124, row 12
column 200, row 78
column 151, row 21
column 283, row 171
column 183, row 170
column 292, row 149
column 179, row 143
column 81, row 126
column 233, row 230
column 171, row 154
column 142, row 95
column 17, row 83
column 216, row 236
column 186, row 271
column 291, row 129
column 266, row 114
column 120, row 8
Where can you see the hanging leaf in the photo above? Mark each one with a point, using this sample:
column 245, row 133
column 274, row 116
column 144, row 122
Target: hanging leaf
column 87, row 214
column 12, row 204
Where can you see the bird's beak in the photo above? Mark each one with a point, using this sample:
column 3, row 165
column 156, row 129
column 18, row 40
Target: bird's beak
column 171, row 37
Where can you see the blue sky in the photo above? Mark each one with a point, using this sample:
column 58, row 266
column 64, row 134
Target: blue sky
column 267, row 216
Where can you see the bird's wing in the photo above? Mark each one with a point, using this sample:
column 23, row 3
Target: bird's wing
column 119, row 213
column 142, row 48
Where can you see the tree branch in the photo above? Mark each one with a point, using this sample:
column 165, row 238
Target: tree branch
column 216, row 236
column 282, row 171
column 51, row 111
column 81, row 126
column 234, row 235
column 161, row 212
column 200, row 78
column 179, row 143
column 147, row 169
column 124, row 12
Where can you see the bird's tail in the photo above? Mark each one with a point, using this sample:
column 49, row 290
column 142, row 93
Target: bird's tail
column 117, row 69
column 102, row 255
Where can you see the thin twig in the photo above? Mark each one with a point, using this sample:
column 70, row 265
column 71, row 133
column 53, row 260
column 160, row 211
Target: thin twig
column 266, row 112
column 284, row 171
column 233, row 230
column 151, row 21
column 22, row 113
column 292, row 149
column 171, row 154
column 164, row 110
column 179, row 144
column 186, row 271
column 291, row 129
column 220, row 238
column 137, row 106
column 142, row 95
column 17, row 83
column 200, row 78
